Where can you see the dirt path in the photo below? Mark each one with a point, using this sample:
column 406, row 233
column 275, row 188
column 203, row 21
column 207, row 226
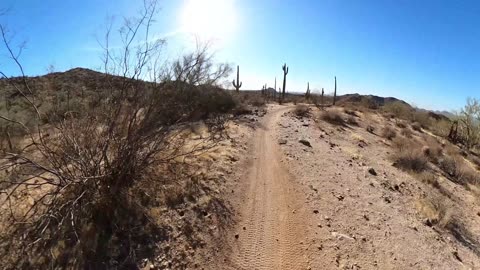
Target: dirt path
column 272, row 227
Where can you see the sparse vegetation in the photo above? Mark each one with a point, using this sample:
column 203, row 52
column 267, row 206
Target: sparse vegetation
column 370, row 129
column 406, row 132
column 411, row 160
column 333, row 117
column 417, row 127
column 388, row 133
column 92, row 178
column 301, row 110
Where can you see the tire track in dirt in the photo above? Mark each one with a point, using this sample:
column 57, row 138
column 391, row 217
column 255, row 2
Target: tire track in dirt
column 273, row 225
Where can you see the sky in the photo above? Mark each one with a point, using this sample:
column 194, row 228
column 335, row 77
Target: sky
column 424, row 52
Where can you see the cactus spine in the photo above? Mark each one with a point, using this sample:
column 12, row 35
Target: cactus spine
column 285, row 72
column 335, row 92
column 237, row 84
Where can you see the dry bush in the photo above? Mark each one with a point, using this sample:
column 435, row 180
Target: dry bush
column 333, row 117
column 400, row 124
column 79, row 194
column 350, row 112
column 403, row 144
column 351, row 121
column 433, row 150
column 435, row 210
column 389, row 133
column 301, row 110
column 428, row 178
column 441, row 128
column 406, row 132
column 458, row 170
column 410, row 160
column 416, row 126
column 398, row 109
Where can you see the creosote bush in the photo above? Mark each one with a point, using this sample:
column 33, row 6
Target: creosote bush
column 411, row 160
column 389, row 133
column 333, row 117
column 301, row 110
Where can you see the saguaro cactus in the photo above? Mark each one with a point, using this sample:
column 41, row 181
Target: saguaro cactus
column 275, row 89
column 335, row 92
column 322, row 97
column 285, row 72
column 307, row 94
column 237, row 84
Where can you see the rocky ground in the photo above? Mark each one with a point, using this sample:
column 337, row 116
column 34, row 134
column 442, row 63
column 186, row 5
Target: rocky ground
column 313, row 195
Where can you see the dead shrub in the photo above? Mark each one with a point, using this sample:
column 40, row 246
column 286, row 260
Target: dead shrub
column 406, row 132
column 333, row 117
column 389, row 133
column 459, row 171
column 400, row 124
column 350, row 112
column 402, row 144
column 410, row 160
column 416, row 126
column 352, row 121
column 428, row 178
column 95, row 173
column 301, row 110
column 435, row 210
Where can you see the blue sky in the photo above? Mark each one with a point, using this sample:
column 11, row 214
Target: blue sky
column 425, row 52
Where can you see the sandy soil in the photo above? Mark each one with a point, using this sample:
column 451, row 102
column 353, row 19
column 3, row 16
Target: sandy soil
column 319, row 207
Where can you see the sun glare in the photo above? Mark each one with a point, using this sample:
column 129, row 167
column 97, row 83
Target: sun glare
column 209, row 19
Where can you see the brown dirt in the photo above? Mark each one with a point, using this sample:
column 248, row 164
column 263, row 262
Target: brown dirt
column 318, row 207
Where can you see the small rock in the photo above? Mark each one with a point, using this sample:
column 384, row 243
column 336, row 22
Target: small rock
column 282, row 141
column 315, row 211
column 372, row 171
column 237, row 236
column 341, row 236
column 305, row 142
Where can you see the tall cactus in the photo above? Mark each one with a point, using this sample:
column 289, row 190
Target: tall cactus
column 275, row 89
column 237, row 84
column 322, row 97
column 285, row 72
column 335, row 92
column 307, row 94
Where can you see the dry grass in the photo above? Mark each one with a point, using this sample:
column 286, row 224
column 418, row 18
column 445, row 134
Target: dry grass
column 333, row 117
column 389, row 133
